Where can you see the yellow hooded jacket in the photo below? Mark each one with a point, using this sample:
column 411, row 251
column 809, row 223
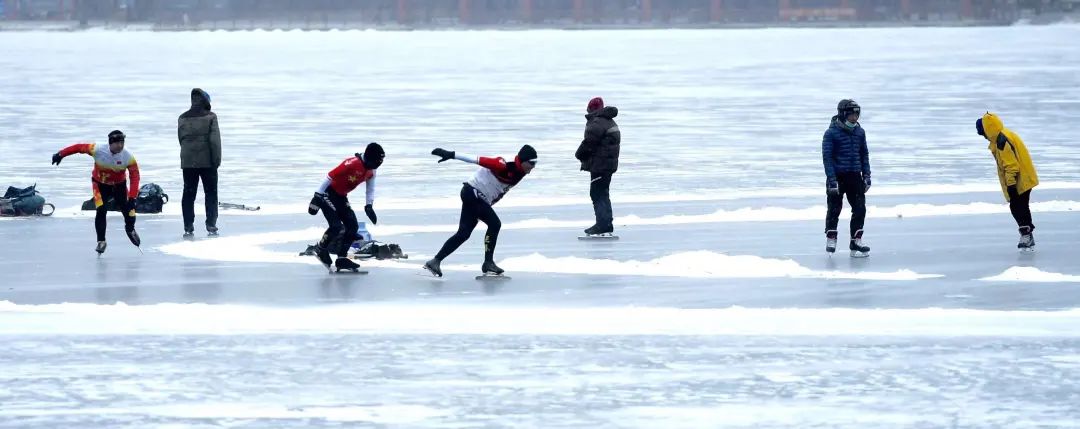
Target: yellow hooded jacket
column 1014, row 166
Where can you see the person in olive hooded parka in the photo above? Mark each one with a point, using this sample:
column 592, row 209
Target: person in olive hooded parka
column 200, row 157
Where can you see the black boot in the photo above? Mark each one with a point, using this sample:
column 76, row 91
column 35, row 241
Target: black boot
column 489, row 267
column 1027, row 238
column 134, row 237
column 346, row 264
column 858, row 250
column 323, row 255
column 433, row 266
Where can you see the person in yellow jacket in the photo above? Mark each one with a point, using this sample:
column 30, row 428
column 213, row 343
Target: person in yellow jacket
column 1015, row 171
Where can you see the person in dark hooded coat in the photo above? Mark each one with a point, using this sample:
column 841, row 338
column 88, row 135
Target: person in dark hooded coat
column 599, row 155
column 200, row 157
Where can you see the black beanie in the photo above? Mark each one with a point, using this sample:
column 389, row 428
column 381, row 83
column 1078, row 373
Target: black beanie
column 527, row 154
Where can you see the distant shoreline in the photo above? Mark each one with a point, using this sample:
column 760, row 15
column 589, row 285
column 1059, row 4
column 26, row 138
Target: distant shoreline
column 267, row 25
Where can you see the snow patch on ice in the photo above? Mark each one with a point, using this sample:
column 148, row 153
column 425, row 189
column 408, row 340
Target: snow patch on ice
column 1031, row 274
column 703, row 264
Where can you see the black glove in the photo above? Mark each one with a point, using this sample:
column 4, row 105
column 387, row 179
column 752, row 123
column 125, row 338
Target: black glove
column 56, row 158
column 371, row 214
column 313, row 206
column 129, row 205
column 831, row 186
column 866, row 181
column 443, row 154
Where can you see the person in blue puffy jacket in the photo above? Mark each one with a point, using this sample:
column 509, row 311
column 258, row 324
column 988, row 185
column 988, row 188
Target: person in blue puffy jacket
column 847, row 172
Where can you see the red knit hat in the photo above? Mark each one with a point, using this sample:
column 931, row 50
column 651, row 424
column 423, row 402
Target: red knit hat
column 595, row 104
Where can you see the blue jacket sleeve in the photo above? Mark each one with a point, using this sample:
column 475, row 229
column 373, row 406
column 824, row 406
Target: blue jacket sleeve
column 865, row 152
column 827, row 154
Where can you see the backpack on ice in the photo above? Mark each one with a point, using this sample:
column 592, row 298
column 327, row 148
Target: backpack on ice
column 151, row 198
column 24, row 202
column 364, row 247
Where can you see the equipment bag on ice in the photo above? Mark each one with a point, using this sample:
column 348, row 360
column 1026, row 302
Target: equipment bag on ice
column 150, row 199
column 24, row 202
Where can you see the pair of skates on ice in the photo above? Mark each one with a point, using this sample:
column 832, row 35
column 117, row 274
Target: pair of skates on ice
column 489, row 269
column 858, row 249
column 341, row 264
column 132, row 235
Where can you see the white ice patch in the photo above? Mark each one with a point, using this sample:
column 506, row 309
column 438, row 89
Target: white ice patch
column 1031, row 274
column 703, row 264
column 246, row 248
column 430, row 318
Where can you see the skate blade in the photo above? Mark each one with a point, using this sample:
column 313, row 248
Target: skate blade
column 349, row 271
column 429, row 275
column 492, row 276
column 604, row 236
column 860, row 255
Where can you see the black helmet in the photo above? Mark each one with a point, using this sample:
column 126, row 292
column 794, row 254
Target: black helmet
column 527, row 154
column 847, row 107
column 373, row 156
column 116, row 136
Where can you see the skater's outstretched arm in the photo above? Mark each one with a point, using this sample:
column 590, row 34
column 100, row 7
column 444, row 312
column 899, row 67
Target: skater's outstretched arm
column 85, row 148
column 444, row 155
column 494, row 164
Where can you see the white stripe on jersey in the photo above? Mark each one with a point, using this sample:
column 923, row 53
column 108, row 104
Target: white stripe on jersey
column 491, row 188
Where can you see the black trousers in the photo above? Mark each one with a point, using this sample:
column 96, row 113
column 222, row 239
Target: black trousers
column 340, row 219
column 191, row 188
column 473, row 210
column 118, row 194
column 1020, row 206
column 850, row 184
column 601, row 198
